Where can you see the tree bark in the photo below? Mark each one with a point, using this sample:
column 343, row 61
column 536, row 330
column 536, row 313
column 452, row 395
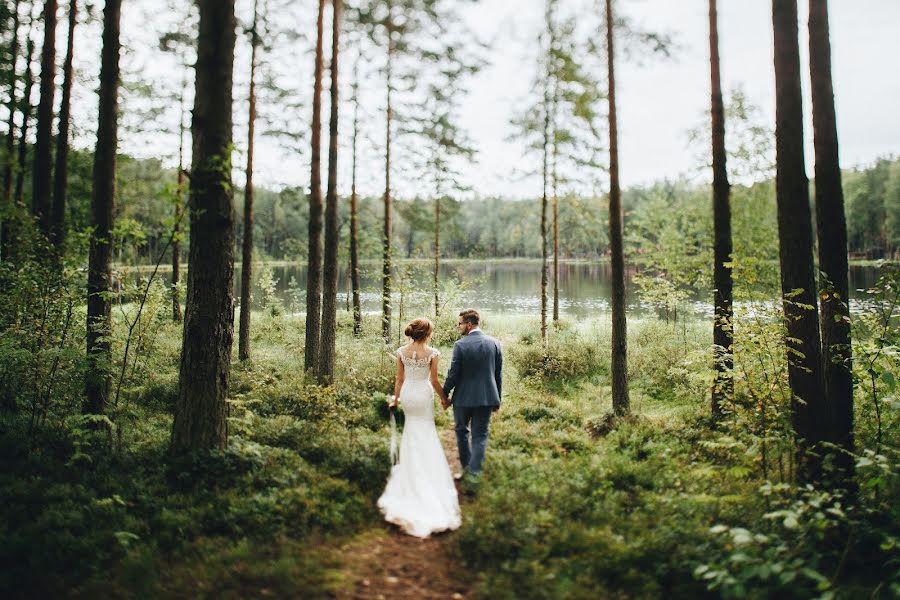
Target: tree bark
column 723, row 387
column 41, row 184
column 796, row 245
column 555, row 184
column 26, row 115
column 11, row 123
column 555, row 212
column 179, row 206
column 9, row 162
column 200, row 410
column 620, row 400
column 545, row 172
column 61, row 181
column 247, row 247
column 437, row 255
column 832, row 235
column 314, row 276
column 354, row 210
column 330, row 268
column 386, row 234
column 103, row 197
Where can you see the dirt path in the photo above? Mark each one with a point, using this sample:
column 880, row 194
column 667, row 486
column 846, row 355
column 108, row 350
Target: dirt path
column 384, row 563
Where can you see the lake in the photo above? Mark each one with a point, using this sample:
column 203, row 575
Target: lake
column 501, row 286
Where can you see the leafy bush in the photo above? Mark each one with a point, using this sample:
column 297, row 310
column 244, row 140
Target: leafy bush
column 576, row 528
column 807, row 541
column 553, row 413
column 566, row 358
column 360, row 457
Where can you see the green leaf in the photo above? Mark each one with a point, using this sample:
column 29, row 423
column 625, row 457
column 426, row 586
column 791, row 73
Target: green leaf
column 125, row 538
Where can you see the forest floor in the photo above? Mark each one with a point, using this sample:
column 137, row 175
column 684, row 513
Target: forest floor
column 383, row 563
column 662, row 506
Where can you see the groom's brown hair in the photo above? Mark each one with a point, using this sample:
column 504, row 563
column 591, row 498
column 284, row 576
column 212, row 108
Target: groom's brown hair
column 470, row 315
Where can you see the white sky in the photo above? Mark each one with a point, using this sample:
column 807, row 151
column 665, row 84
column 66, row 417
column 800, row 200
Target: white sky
column 659, row 101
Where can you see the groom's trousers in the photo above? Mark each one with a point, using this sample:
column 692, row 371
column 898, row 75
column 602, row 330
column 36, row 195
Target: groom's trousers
column 474, row 420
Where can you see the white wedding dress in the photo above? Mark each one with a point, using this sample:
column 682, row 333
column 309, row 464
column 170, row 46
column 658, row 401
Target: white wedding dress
column 420, row 495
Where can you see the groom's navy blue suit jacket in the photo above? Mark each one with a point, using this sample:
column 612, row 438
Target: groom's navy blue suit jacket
column 475, row 375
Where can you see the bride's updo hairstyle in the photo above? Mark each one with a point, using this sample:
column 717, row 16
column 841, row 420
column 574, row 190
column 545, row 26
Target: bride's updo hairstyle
column 419, row 329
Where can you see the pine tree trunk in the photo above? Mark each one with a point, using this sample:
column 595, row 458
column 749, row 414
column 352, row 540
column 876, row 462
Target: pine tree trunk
column 723, row 387
column 832, row 237
column 247, row 247
column 330, row 269
column 314, row 271
column 25, row 109
column 555, row 183
column 555, row 206
column 61, row 181
column 179, row 205
column 9, row 162
column 103, row 198
column 40, row 184
column 386, row 236
column 621, row 404
column 11, row 123
column 354, row 210
column 545, row 171
column 796, row 245
column 200, row 410
column 437, row 255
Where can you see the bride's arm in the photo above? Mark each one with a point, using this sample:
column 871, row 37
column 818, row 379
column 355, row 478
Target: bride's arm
column 436, row 385
column 398, row 381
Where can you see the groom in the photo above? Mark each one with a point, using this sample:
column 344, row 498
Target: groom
column 475, row 375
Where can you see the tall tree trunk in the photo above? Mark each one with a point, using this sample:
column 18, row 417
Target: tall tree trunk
column 437, row 254
column 179, row 205
column 26, row 114
column 354, row 211
column 61, row 181
column 330, row 268
column 314, row 277
column 621, row 404
column 103, row 200
column 209, row 313
column 9, row 161
column 798, row 284
column 545, row 171
column 386, row 236
column 832, row 236
column 555, row 176
column 11, row 124
column 40, row 184
column 723, row 387
column 247, row 266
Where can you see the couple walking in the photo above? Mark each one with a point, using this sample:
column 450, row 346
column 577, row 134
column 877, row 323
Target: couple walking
column 420, row 495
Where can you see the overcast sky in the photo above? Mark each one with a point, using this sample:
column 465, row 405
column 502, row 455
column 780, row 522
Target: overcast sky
column 659, row 101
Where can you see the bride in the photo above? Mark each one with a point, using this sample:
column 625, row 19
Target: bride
column 420, row 495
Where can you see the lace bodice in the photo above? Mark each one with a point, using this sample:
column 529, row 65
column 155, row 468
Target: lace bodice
column 417, row 368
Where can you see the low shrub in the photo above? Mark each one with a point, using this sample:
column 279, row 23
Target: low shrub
column 567, row 358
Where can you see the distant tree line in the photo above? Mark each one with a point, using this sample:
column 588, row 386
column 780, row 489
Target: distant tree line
column 490, row 227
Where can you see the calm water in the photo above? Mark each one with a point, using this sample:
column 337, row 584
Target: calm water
column 498, row 287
